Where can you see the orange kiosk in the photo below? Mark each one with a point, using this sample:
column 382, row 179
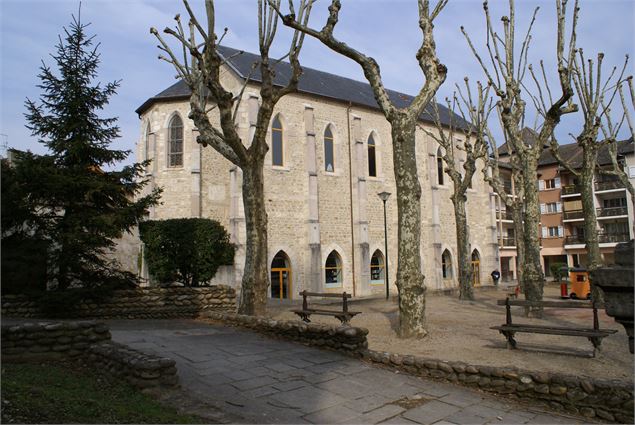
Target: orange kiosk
column 580, row 285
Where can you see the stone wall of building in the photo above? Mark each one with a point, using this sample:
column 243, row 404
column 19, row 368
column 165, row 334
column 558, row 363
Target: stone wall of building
column 142, row 303
column 87, row 341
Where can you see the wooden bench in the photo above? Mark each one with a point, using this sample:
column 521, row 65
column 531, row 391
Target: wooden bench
column 509, row 329
column 343, row 315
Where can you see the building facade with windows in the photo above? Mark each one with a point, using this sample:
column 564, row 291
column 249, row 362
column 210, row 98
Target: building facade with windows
column 561, row 216
column 330, row 156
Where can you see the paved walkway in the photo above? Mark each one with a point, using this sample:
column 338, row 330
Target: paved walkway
column 254, row 379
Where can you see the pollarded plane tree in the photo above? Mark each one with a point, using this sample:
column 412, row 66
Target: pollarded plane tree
column 595, row 96
column 617, row 168
column 462, row 148
column 403, row 121
column 200, row 65
column 505, row 73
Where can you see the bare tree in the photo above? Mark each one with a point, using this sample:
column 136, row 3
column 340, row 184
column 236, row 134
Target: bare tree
column 471, row 146
column 200, row 68
column 506, row 75
column 595, row 97
column 403, row 121
column 617, row 169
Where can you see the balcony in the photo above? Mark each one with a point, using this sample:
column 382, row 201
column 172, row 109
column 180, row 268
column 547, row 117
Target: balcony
column 574, row 240
column 611, row 212
column 602, row 238
column 504, row 215
column 570, row 190
column 573, row 215
column 508, row 242
column 613, row 237
column 606, row 185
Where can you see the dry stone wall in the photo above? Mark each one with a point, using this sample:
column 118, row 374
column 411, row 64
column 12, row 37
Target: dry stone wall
column 32, row 341
column 142, row 303
column 89, row 341
column 346, row 339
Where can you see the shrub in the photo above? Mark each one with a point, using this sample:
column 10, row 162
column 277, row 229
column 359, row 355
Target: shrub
column 186, row 250
column 558, row 271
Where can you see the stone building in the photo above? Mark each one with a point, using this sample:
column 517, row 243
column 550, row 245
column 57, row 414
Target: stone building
column 330, row 155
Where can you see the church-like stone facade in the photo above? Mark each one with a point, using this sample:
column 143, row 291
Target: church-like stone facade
column 326, row 222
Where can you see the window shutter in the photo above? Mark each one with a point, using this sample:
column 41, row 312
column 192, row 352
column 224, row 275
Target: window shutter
column 559, row 206
column 557, row 181
column 544, row 232
column 543, row 209
column 541, row 185
column 560, row 231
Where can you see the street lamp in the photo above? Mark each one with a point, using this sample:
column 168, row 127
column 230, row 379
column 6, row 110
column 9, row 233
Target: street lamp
column 384, row 197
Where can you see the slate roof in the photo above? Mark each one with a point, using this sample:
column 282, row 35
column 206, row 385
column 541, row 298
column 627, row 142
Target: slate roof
column 312, row 81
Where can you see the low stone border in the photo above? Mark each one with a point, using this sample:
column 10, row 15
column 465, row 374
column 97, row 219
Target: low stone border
column 141, row 370
column 610, row 400
column 33, row 341
column 141, row 303
column 346, row 339
column 89, row 341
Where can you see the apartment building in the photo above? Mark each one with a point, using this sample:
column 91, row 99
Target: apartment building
column 561, row 217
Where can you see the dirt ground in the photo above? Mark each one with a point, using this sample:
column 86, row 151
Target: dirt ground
column 460, row 331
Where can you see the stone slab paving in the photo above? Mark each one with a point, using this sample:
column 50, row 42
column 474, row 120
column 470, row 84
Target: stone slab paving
column 255, row 379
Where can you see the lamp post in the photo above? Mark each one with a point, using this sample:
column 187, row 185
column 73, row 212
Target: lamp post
column 384, row 197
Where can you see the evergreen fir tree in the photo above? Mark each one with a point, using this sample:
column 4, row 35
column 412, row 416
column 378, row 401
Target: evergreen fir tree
column 82, row 205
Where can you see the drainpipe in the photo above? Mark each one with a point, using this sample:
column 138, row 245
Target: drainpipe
column 350, row 181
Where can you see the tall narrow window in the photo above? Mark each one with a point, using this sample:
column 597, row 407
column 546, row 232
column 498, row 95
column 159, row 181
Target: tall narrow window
column 329, row 161
column 146, row 143
column 276, row 143
column 377, row 269
column 372, row 160
column 175, row 142
column 333, row 269
column 440, row 166
column 446, row 264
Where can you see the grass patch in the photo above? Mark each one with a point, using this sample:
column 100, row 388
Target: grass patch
column 69, row 393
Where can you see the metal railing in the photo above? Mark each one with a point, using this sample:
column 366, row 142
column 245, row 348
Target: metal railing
column 611, row 211
column 570, row 190
column 573, row 214
column 608, row 185
column 504, row 215
column 574, row 240
column 508, row 241
column 602, row 238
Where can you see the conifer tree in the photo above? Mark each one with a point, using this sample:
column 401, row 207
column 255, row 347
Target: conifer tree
column 83, row 203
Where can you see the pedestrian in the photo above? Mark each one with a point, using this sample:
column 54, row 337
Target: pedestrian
column 495, row 276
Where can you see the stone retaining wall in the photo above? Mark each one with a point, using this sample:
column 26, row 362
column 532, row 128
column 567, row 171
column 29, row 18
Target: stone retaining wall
column 343, row 338
column 89, row 341
column 141, row 303
column 32, row 341
column 141, row 370
column 610, row 400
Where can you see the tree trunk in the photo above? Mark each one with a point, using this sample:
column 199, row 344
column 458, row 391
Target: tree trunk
column 519, row 233
column 591, row 237
column 253, row 297
column 466, row 289
column 532, row 274
column 412, row 292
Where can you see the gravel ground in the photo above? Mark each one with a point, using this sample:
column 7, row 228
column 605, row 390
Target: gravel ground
column 460, row 331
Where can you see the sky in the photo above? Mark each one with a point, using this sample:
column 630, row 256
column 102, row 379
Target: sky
column 387, row 30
